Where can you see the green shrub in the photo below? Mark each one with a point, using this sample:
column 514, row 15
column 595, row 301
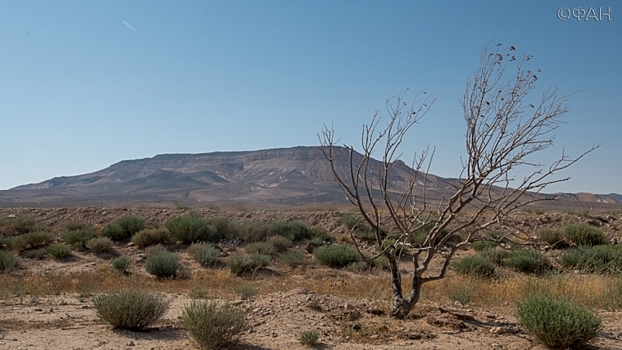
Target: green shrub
column 527, row 261
column 309, row 338
column 225, row 227
column 255, row 231
column 245, row 291
column 199, row 293
column 130, row 309
column 59, row 250
column 337, row 255
column 204, row 253
column 319, row 233
column 155, row 249
column 365, row 234
column 8, row 261
column 151, row 236
column 114, row 232
column 495, row 255
column 78, row 238
column 293, row 230
column 292, row 257
column 279, row 243
column 213, row 325
column 19, row 226
column 583, row 234
column 191, row 229
column 479, row 246
column 74, row 226
column 351, row 220
column 162, row 264
column 131, row 225
column 474, row 265
column 260, row 248
column 30, row 240
column 597, row 259
column 558, row 323
column 240, row 264
column 99, row 244
column 121, row 264
column 551, row 236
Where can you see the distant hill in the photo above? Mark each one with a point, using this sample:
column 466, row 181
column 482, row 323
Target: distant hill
column 276, row 178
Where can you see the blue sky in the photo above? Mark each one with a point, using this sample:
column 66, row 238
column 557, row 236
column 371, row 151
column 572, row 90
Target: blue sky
column 85, row 84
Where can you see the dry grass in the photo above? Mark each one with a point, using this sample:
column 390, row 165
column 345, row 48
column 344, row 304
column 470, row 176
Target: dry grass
column 588, row 290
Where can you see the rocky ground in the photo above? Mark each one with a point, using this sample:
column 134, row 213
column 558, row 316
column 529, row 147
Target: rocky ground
column 276, row 319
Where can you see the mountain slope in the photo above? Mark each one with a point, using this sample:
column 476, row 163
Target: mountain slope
column 274, row 177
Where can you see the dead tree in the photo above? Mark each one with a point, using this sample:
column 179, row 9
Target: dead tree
column 503, row 132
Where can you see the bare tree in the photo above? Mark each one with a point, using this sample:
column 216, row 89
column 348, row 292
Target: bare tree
column 503, row 131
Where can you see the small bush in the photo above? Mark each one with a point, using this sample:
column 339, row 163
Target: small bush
column 240, row 264
column 319, row 233
column 8, row 261
column 204, row 253
column 309, row 338
column 293, row 230
column 558, row 323
column 474, row 265
column 551, row 236
column 30, row 240
column 351, row 220
column 527, row 261
column 99, row 244
column 153, row 250
column 78, row 238
column 337, row 255
column 245, row 291
column 495, row 255
column 74, row 226
column 151, row 236
column 292, row 257
column 596, row 259
column 121, row 264
column 225, row 227
column 130, row 309
column 479, row 246
column 365, row 234
column 199, row 293
column 131, row 225
column 255, row 231
column 191, row 229
column 19, row 226
column 583, row 234
column 59, row 250
column 213, row 325
column 162, row 264
column 279, row 243
column 260, row 248
column 114, row 232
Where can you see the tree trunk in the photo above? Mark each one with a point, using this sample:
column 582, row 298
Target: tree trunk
column 402, row 307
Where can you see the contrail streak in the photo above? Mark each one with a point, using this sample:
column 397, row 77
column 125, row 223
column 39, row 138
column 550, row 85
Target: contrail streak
column 129, row 25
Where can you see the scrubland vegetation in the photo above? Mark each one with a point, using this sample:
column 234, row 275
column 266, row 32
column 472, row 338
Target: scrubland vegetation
column 555, row 278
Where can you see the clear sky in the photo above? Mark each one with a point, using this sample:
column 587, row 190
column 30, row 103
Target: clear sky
column 85, row 84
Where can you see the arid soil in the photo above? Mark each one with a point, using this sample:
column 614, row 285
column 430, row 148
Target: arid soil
column 276, row 319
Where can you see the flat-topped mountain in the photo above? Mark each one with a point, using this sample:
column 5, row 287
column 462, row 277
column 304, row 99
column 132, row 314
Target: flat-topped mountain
column 275, row 177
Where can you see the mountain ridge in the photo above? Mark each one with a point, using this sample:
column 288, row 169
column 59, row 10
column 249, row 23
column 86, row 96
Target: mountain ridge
column 292, row 176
